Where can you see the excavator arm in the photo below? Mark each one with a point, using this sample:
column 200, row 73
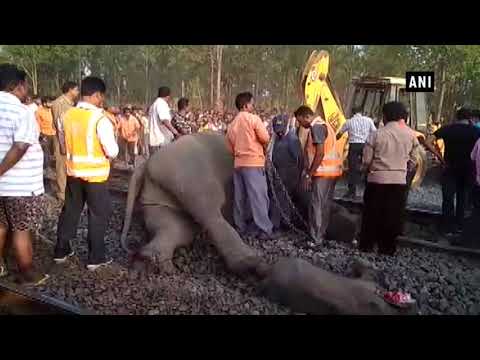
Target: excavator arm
column 317, row 89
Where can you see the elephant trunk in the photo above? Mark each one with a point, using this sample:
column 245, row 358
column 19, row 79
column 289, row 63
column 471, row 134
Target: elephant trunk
column 134, row 186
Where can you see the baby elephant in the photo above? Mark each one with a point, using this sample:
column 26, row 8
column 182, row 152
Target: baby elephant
column 306, row 288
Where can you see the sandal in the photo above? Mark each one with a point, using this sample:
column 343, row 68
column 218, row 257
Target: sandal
column 397, row 298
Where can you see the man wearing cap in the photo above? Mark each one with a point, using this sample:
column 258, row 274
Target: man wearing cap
column 287, row 159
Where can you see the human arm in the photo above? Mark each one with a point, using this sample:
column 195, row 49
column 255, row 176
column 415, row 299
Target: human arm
column 106, row 135
column 413, row 151
column 261, row 132
column 13, row 156
column 317, row 159
column 475, row 151
column 61, row 137
column 165, row 117
column 368, row 151
column 170, row 127
column 229, row 143
column 25, row 134
column 343, row 129
column 432, row 148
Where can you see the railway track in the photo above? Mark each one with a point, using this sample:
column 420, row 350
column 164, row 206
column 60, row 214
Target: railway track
column 414, row 215
column 98, row 293
column 16, row 301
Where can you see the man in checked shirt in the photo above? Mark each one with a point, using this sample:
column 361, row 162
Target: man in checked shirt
column 358, row 128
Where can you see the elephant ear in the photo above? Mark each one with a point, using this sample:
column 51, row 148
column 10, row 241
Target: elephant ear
column 364, row 270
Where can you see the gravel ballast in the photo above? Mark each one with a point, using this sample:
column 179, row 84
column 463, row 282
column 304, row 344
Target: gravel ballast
column 441, row 283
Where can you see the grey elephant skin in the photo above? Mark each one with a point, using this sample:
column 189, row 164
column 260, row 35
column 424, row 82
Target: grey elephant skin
column 188, row 186
column 308, row 289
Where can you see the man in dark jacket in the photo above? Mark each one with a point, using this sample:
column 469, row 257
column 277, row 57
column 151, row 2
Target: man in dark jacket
column 287, row 159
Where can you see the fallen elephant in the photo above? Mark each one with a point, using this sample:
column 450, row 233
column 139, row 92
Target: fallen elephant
column 183, row 188
column 308, row 289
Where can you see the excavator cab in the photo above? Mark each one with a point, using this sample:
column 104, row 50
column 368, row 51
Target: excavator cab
column 372, row 93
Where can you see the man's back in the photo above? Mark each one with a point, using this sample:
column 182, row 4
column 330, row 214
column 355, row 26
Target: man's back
column 459, row 141
column 129, row 128
column 358, row 128
column 393, row 145
column 18, row 124
column 246, row 137
column 59, row 107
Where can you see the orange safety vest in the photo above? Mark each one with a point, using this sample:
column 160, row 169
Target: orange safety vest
column 331, row 165
column 85, row 157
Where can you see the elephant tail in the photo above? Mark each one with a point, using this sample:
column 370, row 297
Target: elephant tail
column 134, row 187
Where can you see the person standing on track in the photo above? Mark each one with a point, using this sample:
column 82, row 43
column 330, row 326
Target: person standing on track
column 60, row 106
column 247, row 139
column 88, row 137
column 47, row 130
column 460, row 138
column 385, row 157
column 180, row 119
column 161, row 130
column 21, row 174
column 358, row 128
column 323, row 167
column 287, row 159
column 130, row 129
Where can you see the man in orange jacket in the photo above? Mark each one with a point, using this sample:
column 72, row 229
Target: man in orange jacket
column 47, row 130
column 323, row 167
column 129, row 130
column 87, row 137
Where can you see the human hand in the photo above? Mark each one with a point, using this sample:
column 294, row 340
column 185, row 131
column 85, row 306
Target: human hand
column 306, row 183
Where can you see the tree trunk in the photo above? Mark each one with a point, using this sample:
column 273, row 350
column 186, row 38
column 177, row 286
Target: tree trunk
column 219, row 76
column 442, row 91
column 147, row 85
column 212, row 72
column 79, row 67
column 183, row 88
column 257, row 88
column 199, row 94
column 285, row 99
column 57, row 82
column 35, row 78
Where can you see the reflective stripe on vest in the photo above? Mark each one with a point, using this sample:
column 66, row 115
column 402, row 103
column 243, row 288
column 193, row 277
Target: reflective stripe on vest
column 331, row 165
column 85, row 157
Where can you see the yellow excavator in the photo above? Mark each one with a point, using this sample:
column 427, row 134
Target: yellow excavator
column 369, row 93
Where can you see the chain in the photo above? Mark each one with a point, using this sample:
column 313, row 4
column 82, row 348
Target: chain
column 277, row 187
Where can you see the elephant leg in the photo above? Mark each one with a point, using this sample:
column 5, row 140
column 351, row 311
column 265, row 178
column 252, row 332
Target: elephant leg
column 239, row 257
column 171, row 229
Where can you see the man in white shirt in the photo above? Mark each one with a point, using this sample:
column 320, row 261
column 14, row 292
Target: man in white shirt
column 21, row 174
column 358, row 128
column 162, row 131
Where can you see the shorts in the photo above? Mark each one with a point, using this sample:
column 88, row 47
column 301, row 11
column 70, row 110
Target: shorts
column 21, row 213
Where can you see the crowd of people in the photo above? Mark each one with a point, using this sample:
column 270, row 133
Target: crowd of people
column 83, row 136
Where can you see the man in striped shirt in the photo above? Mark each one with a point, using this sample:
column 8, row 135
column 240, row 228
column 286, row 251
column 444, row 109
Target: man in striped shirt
column 358, row 128
column 21, row 173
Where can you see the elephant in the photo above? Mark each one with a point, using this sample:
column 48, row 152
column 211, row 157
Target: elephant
column 185, row 187
column 306, row 288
